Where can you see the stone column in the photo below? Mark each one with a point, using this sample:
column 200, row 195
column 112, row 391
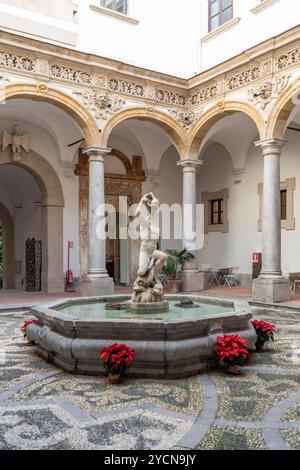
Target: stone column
column 192, row 280
column 271, row 286
column 97, row 281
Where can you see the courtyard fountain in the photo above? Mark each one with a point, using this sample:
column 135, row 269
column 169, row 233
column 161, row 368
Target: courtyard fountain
column 173, row 336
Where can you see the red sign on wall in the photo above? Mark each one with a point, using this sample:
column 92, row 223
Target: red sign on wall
column 256, row 257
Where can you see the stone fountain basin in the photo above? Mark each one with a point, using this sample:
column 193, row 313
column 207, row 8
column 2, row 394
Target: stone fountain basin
column 164, row 348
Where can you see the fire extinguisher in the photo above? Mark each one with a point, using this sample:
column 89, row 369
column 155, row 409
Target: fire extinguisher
column 69, row 274
column 69, row 277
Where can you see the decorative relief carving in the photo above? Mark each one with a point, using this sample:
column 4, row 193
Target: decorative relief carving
column 265, row 92
column 100, row 81
column 16, row 143
column 205, row 94
column 243, row 78
column 170, row 97
column 43, row 67
column 220, row 106
column 287, row 59
column 3, row 80
column 130, row 88
column 72, row 75
column 42, row 89
column 101, row 105
column 17, row 62
column 185, row 119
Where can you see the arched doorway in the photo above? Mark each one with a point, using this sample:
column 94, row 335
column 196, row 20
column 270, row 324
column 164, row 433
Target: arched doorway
column 37, row 202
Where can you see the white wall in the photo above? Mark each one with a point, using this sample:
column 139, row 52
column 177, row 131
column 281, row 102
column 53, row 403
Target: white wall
column 250, row 31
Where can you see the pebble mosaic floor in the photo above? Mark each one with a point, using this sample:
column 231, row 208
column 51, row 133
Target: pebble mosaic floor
column 43, row 408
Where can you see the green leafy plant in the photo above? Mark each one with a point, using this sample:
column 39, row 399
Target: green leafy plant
column 175, row 261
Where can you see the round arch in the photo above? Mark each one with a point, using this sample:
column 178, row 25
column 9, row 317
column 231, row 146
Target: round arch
column 41, row 92
column 165, row 122
column 7, row 224
column 221, row 110
column 279, row 117
column 52, row 204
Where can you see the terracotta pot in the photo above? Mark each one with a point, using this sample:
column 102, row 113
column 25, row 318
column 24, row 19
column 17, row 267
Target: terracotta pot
column 114, row 379
column 173, row 286
column 260, row 346
column 234, row 370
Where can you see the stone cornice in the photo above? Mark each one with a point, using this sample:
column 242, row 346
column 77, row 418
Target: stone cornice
column 99, row 80
column 263, row 5
column 113, row 14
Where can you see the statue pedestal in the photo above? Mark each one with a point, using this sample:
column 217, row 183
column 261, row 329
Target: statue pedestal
column 145, row 307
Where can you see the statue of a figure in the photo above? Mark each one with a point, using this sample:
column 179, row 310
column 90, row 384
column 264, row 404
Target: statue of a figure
column 147, row 286
column 17, row 143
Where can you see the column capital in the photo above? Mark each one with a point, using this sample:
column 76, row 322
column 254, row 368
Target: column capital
column 273, row 145
column 96, row 153
column 190, row 165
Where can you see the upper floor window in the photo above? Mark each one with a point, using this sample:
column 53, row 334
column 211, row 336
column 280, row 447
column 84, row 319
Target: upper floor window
column 121, row 6
column 220, row 11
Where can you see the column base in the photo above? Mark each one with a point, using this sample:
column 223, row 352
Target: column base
column 93, row 285
column 192, row 280
column 271, row 290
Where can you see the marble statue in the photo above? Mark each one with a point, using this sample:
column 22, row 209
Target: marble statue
column 17, row 143
column 147, row 287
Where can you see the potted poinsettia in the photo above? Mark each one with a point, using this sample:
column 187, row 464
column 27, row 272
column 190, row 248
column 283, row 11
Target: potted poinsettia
column 233, row 350
column 117, row 359
column 175, row 261
column 265, row 332
column 24, row 328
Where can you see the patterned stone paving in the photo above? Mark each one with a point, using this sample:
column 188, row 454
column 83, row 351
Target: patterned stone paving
column 41, row 407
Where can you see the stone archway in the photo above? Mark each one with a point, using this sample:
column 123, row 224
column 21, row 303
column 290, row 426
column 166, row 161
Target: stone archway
column 52, row 204
column 42, row 92
column 7, row 224
column 283, row 108
column 162, row 120
column 218, row 112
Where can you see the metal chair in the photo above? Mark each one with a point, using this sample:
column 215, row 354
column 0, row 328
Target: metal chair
column 230, row 279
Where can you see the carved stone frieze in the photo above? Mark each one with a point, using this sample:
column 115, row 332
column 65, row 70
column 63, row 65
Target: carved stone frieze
column 288, row 59
column 166, row 96
column 205, row 94
column 185, row 119
column 73, row 75
column 17, row 62
column 243, row 78
column 101, row 105
column 269, row 90
column 129, row 88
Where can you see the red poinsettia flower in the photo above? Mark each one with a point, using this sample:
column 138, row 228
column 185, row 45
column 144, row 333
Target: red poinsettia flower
column 264, row 330
column 117, row 358
column 232, row 349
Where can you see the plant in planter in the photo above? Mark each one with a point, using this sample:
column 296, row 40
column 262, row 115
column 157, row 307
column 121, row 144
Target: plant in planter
column 117, row 359
column 233, row 350
column 175, row 261
column 24, row 328
column 265, row 332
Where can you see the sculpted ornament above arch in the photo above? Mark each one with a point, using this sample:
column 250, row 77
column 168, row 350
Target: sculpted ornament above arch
column 264, row 93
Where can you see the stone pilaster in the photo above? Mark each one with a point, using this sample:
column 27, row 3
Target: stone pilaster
column 192, row 280
column 97, row 281
column 271, row 286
